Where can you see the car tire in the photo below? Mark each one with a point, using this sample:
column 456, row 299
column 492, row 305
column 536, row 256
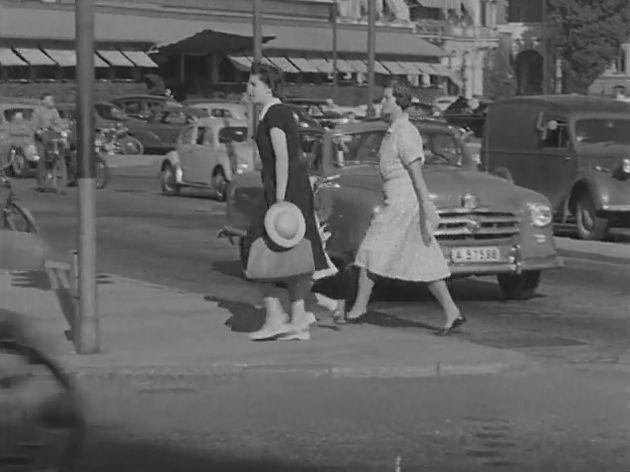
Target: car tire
column 168, row 183
column 130, row 146
column 590, row 226
column 347, row 281
column 519, row 286
column 504, row 173
column 19, row 168
column 220, row 183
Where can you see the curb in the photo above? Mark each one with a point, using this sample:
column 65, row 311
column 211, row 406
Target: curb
column 243, row 371
column 589, row 256
column 599, row 251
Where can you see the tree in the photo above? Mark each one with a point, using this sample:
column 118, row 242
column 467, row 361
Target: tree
column 587, row 35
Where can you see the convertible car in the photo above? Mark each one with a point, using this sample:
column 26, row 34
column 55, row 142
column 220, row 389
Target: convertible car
column 489, row 227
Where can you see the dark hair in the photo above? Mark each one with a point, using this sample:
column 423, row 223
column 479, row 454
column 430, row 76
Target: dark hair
column 402, row 94
column 46, row 95
column 269, row 75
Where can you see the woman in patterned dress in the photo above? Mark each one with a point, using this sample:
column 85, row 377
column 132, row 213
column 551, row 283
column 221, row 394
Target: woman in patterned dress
column 284, row 178
column 399, row 243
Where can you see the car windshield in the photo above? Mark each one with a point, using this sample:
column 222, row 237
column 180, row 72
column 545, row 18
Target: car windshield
column 603, row 131
column 440, row 147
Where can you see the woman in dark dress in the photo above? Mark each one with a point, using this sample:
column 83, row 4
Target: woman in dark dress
column 285, row 178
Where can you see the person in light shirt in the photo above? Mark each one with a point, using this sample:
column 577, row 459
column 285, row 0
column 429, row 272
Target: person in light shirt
column 620, row 94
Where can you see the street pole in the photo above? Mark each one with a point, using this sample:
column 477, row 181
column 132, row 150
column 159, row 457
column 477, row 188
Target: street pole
column 545, row 40
column 371, row 54
column 257, row 36
column 334, row 15
column 86, row 332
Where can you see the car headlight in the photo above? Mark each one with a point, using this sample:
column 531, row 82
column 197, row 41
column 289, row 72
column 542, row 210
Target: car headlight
column 625, row 166
column 541, row 214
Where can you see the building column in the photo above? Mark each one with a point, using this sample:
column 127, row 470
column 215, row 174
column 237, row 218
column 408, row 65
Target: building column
column 626, row 50
column 214, row 61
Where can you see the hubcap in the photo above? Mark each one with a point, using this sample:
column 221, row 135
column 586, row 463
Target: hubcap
column 168, row 179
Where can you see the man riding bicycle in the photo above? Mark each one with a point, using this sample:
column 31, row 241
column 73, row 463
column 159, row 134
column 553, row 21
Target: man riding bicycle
column 45, row 118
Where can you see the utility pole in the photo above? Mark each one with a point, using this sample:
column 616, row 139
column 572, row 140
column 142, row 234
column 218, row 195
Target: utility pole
column 371, row 54
column 545, row 51
column 86, row 330
column 334, row 15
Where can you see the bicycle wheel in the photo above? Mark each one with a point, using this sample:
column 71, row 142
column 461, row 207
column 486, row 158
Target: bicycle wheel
column 17, row 218
column 41, row 416
column 59, row 175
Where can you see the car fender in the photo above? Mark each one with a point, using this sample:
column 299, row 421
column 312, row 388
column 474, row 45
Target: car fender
column 222, row 160
column 172, row 159
column 596, row 184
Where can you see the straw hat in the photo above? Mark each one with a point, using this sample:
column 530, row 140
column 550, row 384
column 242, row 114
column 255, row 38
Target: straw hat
column 284, row 224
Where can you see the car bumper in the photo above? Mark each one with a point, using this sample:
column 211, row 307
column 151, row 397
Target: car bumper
column 519, row 267
column 616, row 208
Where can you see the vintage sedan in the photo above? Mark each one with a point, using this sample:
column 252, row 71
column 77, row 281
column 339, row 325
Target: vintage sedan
column 141, row 106
column 488, row 225
column 159, row 134
column 209, row 154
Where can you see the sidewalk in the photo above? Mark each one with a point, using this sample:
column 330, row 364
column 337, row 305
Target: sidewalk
column 148, row 329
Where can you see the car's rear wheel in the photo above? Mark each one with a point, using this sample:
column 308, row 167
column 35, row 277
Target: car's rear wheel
column 590, row 226
column 19, row 166
column 131, row 146
column 519, row 286
column 168, row 181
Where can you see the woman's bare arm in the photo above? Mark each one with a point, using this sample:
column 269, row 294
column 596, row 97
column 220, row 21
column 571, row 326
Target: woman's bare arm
column 419, row 185
column 281, row 150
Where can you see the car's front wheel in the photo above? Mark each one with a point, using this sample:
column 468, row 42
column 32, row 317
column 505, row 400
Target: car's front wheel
column 168, row 181
column 590, row 226
column 519, row 286
column 220, row 183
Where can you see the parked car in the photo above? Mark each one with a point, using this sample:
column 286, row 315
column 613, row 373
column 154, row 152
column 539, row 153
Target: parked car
column 488, row 225
column 209, row 154
column 160, row 132
column 571, row 148
column 16, row 136
column 321, row 110
column 444, row 102
column 468, row 114
column 221, row 109
column 141, row 106
column 106, row 114
column 303, row 119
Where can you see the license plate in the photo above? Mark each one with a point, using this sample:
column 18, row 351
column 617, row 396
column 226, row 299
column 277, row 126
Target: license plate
column 475, row 254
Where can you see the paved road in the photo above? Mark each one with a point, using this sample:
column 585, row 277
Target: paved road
column 557, row 420
column 581, row 313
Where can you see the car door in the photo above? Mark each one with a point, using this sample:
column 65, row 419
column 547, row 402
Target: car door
column 168, row 127
column 185, row 152
column 557, row 162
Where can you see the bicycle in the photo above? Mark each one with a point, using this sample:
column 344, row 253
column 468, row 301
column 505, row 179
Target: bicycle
column 55, row 150
column 14, row 216
column 38, row 431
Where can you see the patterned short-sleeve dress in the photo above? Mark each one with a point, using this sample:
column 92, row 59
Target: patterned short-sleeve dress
column 299, row 191
column 393, row 245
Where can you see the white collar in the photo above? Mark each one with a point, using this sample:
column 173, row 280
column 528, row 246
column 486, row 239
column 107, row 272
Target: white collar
column 397, row 121
column 266, row 108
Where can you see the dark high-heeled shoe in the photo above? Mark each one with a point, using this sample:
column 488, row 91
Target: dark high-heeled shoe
column 448, row 330
column 361, row 319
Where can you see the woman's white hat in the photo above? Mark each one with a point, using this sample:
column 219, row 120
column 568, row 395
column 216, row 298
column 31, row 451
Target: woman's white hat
column 284, row 224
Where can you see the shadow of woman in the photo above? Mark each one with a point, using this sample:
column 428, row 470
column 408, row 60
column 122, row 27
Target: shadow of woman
column 245, row 318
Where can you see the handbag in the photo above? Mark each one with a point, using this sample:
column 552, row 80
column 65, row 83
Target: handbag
column 267, row 264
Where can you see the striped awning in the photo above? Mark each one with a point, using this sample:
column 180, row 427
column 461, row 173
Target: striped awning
column 284, row 65
column 140, row 59
column 116, row 59
column 411, row 68
column 304, row 65
column 441, row 70
column 322, row 65
column 9, row 59
column 394, row 67
column 358, row 66
column 242, row 63
column 425, row 68
column 35, row 57
column 442, row 4
column 344, row 67
column 63, row 57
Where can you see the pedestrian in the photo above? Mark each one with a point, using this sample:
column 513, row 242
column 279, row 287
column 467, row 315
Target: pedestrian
column 285, row 179
column 620, row 94
column 399, row 243
column 46, row 117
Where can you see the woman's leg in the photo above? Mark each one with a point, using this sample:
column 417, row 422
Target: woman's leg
column 299, row 288
column 275, row 318
column 440, row 291
column 364, row 292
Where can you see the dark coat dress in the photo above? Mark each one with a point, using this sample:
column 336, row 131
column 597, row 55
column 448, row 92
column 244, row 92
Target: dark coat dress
column 299, row 191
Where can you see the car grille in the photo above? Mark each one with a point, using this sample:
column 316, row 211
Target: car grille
column 477, row 226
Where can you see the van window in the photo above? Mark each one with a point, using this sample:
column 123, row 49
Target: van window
column 557, row 138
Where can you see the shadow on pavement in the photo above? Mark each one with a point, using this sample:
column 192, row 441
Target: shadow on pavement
column 106, row 453
column 245, row 318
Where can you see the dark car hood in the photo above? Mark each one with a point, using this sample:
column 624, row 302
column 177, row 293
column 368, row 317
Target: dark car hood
column 448, row 184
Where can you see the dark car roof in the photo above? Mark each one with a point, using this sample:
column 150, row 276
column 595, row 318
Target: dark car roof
column 573, row 103
column 376, row 124
column 311, row 101
column 192, row 111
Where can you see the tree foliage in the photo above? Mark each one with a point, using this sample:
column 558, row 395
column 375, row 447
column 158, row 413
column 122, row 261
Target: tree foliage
column 587, row 35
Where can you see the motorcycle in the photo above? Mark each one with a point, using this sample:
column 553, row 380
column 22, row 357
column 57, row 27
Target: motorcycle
column 56, row 149
column 117, row 140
